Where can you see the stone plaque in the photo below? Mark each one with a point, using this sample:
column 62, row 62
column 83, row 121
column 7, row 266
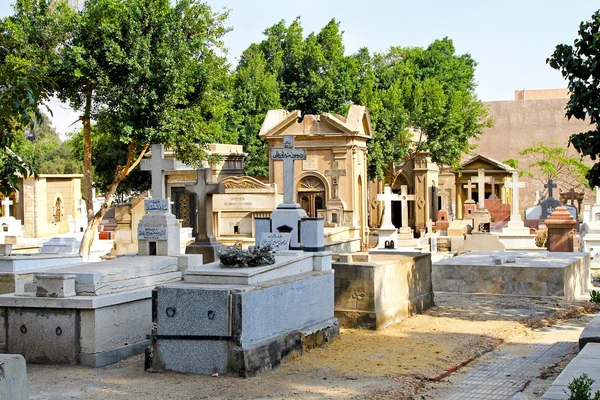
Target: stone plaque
column 158, row 205
column 311, row 163
column 152, row 233
column 278, row 154
column 278, row 241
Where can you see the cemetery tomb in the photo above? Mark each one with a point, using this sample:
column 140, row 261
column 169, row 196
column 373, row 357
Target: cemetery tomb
column 590, row 231
column 17, row 270
column 538, row 273
column 91, row 314
column 243, row 321
column 515, row 235
column 388, row 289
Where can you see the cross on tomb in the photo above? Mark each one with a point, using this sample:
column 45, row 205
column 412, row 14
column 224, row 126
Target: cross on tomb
column 429, row 226
column 158, row 166
column 387, row 197
column 404, row 198
column 572, row 196
column 597, row 195
column 480, row 181
column 515, row 185
column 288, row 155
column 6, row 203
column 550, row 185
column 204, row 188
column 335, row 173
column 469, row 186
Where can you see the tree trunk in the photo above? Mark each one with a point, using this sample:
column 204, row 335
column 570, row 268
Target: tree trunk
column 87, row 156
column 121, row 173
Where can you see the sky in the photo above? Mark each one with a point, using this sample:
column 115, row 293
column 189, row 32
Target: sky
column 509, row 39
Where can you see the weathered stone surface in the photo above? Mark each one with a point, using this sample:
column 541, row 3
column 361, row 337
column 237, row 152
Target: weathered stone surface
column 55, row 285
column 585, row 362
column 591, row 333
column 13, row 380
column 563, row 275
column 377, row 294
column 28, row 262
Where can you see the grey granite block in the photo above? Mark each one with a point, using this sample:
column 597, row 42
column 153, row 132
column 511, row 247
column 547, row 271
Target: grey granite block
column 13, row 382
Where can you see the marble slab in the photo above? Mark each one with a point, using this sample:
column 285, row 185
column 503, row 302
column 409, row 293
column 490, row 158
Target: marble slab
column 28, row 262
column 285, row 265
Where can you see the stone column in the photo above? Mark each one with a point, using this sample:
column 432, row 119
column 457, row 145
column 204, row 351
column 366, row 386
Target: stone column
column 560, row 230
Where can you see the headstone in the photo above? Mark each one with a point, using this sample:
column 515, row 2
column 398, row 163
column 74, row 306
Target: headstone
column 550, row 203
column 515, row 225
column 279, row 242
column 387, row 231
column 205, row 242
column 6, row 203
column 469, row 186
column 288, row 215
column 158, row 230
column 481, row 216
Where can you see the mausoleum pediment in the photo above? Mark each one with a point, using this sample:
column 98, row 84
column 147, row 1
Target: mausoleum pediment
column 280, row 122
column 487, row 163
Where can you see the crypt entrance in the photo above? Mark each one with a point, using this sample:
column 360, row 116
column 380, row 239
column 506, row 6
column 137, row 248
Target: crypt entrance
column 311, row 195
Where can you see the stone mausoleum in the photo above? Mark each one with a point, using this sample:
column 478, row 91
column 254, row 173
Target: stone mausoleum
column 332, row 181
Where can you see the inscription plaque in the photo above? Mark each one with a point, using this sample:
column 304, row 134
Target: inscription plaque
column 157, row 205
column 152, row 233
column 278, row 241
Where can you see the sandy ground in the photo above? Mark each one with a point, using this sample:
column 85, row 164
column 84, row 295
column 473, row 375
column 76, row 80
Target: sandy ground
column 398, row 362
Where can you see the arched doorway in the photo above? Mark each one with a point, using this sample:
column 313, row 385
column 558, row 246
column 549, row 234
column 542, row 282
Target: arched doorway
column 311, row 195
column 185, row 207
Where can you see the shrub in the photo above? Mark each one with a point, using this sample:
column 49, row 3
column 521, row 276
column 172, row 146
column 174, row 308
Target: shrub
column 581, row 389
column 255, row 256
column 595, row 296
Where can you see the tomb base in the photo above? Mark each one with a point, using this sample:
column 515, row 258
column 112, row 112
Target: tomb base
column 482, row 220
column 108, row 318
column 387, row 235
column 243, row 321
column 544, row 274
column 286, row 218
column 460, row 227
column 388, row 294
column 515, row 227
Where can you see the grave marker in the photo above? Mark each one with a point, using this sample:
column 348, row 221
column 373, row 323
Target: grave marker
column 480, row 181
column 288, row 155
column 469, row 186
column 6, row 203
column 335, row 173
column 515, row 185
column 279, row 242
column 387, row 197
column 404, row 198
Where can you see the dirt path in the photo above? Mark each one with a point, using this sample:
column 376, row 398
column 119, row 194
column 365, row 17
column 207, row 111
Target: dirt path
column 394, row 363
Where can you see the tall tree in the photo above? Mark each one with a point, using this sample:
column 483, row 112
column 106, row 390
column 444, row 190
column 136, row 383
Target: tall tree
column 420, row 100
column 287, row 70
column 159, row 77
column 580, row 66
column 30, row 43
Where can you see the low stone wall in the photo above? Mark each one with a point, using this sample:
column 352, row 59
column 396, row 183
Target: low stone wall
column 374, row 295
column 564, row 275
column 585, row 362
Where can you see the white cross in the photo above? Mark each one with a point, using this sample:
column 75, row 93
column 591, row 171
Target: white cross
column 469, row 186
column 480, row 181
column 597, row 195
column 288, row 155
column 515, row 185
column 158, row 166
column 387, row 198
column 6, row 203
column 404, row 199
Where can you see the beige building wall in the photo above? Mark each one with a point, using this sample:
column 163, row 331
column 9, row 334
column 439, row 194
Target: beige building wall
column 522, row 124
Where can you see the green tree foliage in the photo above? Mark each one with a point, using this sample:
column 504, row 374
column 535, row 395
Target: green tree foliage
column 108, row 151
column 556, row 162
column 289, row 71
column 580, row 66
column 47, row 152
column 29, row 44
column 422, row 96
column 158, row 77
column 411, row 92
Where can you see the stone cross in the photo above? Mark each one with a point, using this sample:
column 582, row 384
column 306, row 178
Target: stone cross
column 597, row 195
column 515, row 185
column 480, row 181
column 469, row 186
column 335, row 173
column 404, row 198
column 6, row 203
column 288, row 155
column 204, row 188
column 550, row 185
column 493, row 184
column 158, row 166
column 429, row 226
column 387, row 197
column 572, row 196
